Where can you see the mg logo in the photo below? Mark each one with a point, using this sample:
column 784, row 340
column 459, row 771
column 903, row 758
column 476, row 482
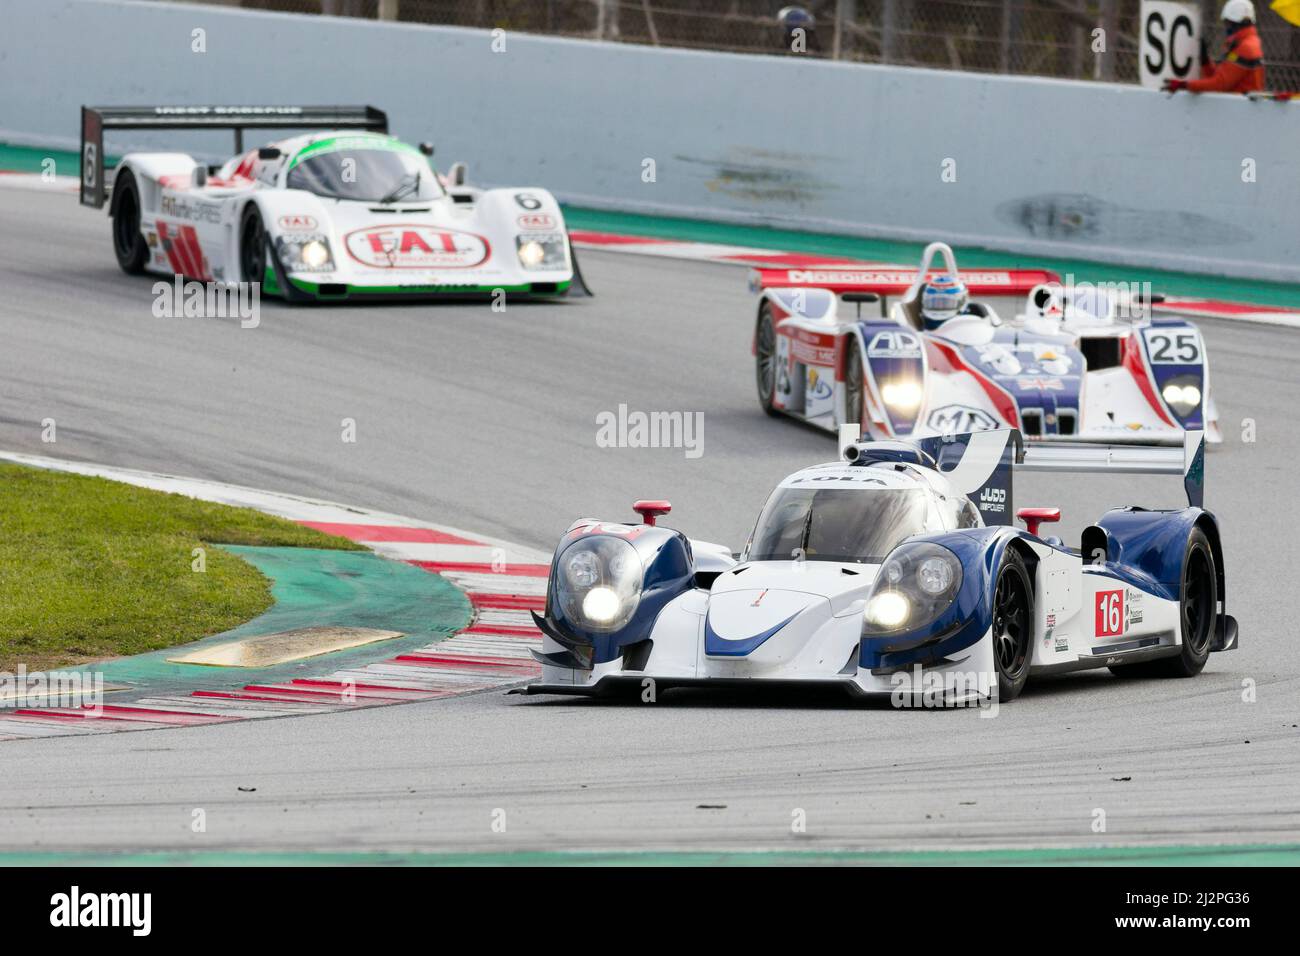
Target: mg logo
column 957, row 419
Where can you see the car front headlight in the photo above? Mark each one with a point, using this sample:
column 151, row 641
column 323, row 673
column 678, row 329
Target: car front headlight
column 305, row 253
column 916, row 584
column 1183, row 395
column 887, row 610
column 903, row 396
column 542, row 251
column 314, row 254
column 598, row 582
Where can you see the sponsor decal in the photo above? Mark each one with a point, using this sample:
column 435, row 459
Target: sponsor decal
column 819, row 392
column 1040, row 384
column 1001, row 359
column 1133, row 602
column 818, row 387
column 358, row 141
column 1062, row 643
column 993, row 499
column 179, row 208
column 894, row 345
column 536, row 222
column 809, row 348
column 1112, row 427
column 297, row 223
column 956, row 419
column 224, row 110
column 619, row 530
column 883, row 277
column 406, row 246
column 1110, row 618
column 839, row 477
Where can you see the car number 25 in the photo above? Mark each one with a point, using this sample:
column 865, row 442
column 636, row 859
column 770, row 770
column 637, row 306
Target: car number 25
column 1174, row 346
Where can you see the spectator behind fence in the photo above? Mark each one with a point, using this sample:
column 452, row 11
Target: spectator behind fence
column 1242, row 68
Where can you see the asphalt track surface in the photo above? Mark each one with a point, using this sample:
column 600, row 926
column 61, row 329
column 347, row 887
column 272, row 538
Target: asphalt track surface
column 487, row 421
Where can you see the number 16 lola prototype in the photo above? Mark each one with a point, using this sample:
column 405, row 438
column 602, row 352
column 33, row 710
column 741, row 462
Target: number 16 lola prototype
column 897, row 561
column 345, row 213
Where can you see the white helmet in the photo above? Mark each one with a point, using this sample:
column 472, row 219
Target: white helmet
column 1238, row 11
column 942, row 298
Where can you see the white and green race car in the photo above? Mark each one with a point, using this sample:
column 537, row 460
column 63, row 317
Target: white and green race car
column 347, row 213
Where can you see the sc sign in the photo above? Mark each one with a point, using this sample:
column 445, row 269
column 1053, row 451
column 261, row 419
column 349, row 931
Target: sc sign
column 1170, row 44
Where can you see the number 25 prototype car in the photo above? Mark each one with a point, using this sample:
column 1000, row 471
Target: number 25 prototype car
column 349, row 213
column 1073, row 362
column 898, row 562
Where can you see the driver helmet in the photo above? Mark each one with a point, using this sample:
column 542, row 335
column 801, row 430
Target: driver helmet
column 943, row 298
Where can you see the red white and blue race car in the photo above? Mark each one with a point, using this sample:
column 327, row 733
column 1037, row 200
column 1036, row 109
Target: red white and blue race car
column 347, row 213
column 1071, row 363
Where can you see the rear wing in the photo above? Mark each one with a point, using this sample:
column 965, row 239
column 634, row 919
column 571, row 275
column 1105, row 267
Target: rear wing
column 1187, row 461
column 981, row 465
column 96, row 119
column 890, row 281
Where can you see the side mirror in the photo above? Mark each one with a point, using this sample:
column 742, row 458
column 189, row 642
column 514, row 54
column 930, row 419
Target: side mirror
column 650, row 510
column 199, row 177
column 458, row 173
column 426, row 148
column 857, row 298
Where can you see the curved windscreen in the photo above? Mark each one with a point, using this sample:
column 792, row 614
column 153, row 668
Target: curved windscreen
column 836, row 524
column 366, row 175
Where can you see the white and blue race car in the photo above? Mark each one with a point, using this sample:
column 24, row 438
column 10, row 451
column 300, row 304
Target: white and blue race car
column 344, row 212
column 897, row 563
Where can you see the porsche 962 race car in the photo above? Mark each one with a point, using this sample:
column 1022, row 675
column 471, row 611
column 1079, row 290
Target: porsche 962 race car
column 347, row 213
column 1073, row 362
column 897, row 562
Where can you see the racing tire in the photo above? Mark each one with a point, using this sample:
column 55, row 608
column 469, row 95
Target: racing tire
column 253, row 245
column 1013, row 624
column 853, row 387
column 765, row 359
column 128, row 242
column 1198, row 604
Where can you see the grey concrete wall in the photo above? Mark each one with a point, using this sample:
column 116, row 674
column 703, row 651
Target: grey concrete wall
column 1106, row 172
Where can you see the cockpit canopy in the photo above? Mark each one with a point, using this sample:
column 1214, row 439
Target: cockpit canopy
column 851, row 524
column 364, row 169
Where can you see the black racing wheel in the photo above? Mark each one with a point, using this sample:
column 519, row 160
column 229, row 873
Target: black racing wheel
column 128, row 242
column 252, row 245
column 1013, row 624
column 765, row 358
column 1198, row 604
column 853, row 382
